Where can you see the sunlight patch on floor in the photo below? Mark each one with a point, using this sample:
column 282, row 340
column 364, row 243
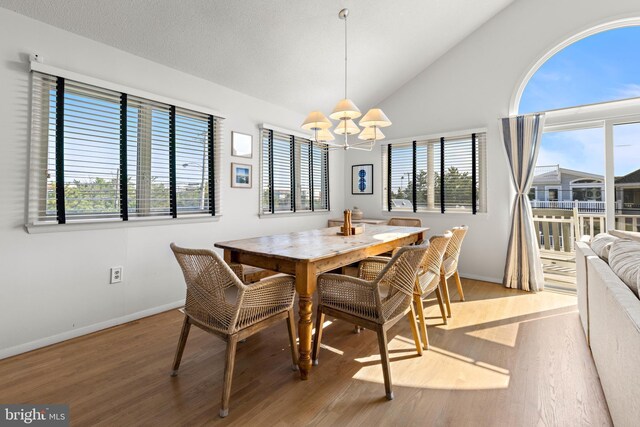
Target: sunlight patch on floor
column 502, row 334
column 410, row 369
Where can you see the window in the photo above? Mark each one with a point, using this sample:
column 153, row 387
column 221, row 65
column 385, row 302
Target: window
column 449, row 175
column 595, row 69
column 295, row 174
column 102, row 154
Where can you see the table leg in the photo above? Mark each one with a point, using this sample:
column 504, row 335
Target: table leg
column 305, row 285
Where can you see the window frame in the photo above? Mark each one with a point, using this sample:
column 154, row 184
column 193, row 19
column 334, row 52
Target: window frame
column 39, row 143
column 295, row 181
column 481, row 208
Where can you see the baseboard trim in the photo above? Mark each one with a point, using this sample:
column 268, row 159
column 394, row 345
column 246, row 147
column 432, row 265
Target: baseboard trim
column 64, row 336
column 478, row 277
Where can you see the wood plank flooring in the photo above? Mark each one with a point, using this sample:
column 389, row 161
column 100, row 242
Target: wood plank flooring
column 506, row 358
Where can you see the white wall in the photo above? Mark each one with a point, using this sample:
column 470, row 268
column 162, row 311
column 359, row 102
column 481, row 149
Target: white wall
column 55, row 285
column 471, row 87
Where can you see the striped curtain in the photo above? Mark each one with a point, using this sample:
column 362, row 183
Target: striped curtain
column 521, row 137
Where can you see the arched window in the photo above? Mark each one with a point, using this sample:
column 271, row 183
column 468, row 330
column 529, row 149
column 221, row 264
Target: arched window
column 589, row 88
column 586, row 181
column 598, row 68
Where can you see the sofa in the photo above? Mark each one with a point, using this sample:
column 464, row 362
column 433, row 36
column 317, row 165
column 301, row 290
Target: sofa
column 609, row 310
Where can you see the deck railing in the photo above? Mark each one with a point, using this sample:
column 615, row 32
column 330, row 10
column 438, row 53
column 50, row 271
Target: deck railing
column 581, row 205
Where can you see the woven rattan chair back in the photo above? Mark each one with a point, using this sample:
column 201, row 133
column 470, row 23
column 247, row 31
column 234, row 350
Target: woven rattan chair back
column 452, row 253
column 406, row 222
column 208, row 277
column 218, row 302
column 432, row 261
column 400, row 276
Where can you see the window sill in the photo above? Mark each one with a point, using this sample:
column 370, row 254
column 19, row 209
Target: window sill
column 287, row 214
column 104, row 224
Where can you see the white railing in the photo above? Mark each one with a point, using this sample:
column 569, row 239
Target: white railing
column 628, row 222
column 581, row 205
column 591, row 224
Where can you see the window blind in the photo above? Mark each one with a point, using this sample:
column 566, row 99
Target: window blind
column 436, row 175
column 320, row 173
column 101, row 154
column 295, row 174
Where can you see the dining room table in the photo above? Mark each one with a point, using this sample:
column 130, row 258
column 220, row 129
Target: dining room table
column 305, row 254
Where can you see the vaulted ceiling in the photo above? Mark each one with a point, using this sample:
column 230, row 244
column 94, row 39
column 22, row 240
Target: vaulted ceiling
column 289, row 52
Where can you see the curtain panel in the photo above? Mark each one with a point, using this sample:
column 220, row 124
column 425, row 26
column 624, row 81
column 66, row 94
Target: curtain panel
column 521, row 136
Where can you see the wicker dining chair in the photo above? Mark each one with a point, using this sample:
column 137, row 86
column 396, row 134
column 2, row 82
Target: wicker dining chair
column 405, row 222
column 249, row 274
column 220, row 303
column 427, row 280
column 450, row 264
column 362, row 302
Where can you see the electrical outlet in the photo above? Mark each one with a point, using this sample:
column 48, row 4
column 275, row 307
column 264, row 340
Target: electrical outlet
column 116, row 275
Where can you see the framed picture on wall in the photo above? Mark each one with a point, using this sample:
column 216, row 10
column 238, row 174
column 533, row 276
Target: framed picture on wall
column 240, row 175
column 241, row 145
column 362, row 179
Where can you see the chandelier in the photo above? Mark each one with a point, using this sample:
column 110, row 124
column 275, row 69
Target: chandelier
column 346, row 112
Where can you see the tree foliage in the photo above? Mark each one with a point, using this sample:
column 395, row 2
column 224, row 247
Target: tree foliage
column 457, row 187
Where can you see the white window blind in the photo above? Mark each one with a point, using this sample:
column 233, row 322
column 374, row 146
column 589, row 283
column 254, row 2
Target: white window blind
column 101, row 154
column 415, row 174
column 295, row 174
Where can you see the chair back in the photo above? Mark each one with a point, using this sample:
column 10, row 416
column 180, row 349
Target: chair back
column 452, row 253
column 207, row 277
column 432, row 261
column 405, row 222
column 400, row 276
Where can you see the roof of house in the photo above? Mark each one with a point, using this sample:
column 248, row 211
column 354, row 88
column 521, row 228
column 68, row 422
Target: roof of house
column 630, row 178
column 552, row 174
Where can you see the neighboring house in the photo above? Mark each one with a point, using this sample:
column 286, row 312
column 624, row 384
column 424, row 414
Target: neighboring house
column 553, row 184
column 628, row 192
column 557, row 187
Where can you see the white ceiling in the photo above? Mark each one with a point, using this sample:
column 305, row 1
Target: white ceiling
column 289, row 52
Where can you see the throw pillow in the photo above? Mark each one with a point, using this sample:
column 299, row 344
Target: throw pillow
column 601, row 245
column 624, row 260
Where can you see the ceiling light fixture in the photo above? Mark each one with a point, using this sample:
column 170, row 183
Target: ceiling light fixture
column 346, row 111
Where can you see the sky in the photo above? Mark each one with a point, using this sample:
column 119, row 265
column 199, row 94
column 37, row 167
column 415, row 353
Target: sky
column 602, row 67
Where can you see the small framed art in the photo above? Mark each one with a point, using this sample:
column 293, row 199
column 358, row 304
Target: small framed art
column 240, row 175
column 362, row 179
column 241, row 145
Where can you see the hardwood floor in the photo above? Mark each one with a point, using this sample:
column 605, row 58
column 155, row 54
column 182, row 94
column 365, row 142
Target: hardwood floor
column 506, row 358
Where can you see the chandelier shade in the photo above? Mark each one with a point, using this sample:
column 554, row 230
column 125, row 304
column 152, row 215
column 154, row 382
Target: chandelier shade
column 345, row 110
column 323, row 135
column 346, row 127
column 316, row 120
column 372, row 133
column 375, row 117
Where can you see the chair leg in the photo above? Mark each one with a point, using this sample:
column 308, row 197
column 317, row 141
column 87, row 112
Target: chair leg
column 232, row 344
column 414, row 326
column 421, row 321
column 459, row 285
column 384, row 357
column 445, row 294
column 291, row 326
column 318, row 336
column 443, row 313
column 186, row 327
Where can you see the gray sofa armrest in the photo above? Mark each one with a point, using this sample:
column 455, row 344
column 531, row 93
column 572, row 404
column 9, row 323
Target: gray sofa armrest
column 583, row 253
column 614, row 328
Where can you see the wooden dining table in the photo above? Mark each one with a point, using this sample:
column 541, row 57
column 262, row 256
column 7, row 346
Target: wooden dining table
column 306, row 254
